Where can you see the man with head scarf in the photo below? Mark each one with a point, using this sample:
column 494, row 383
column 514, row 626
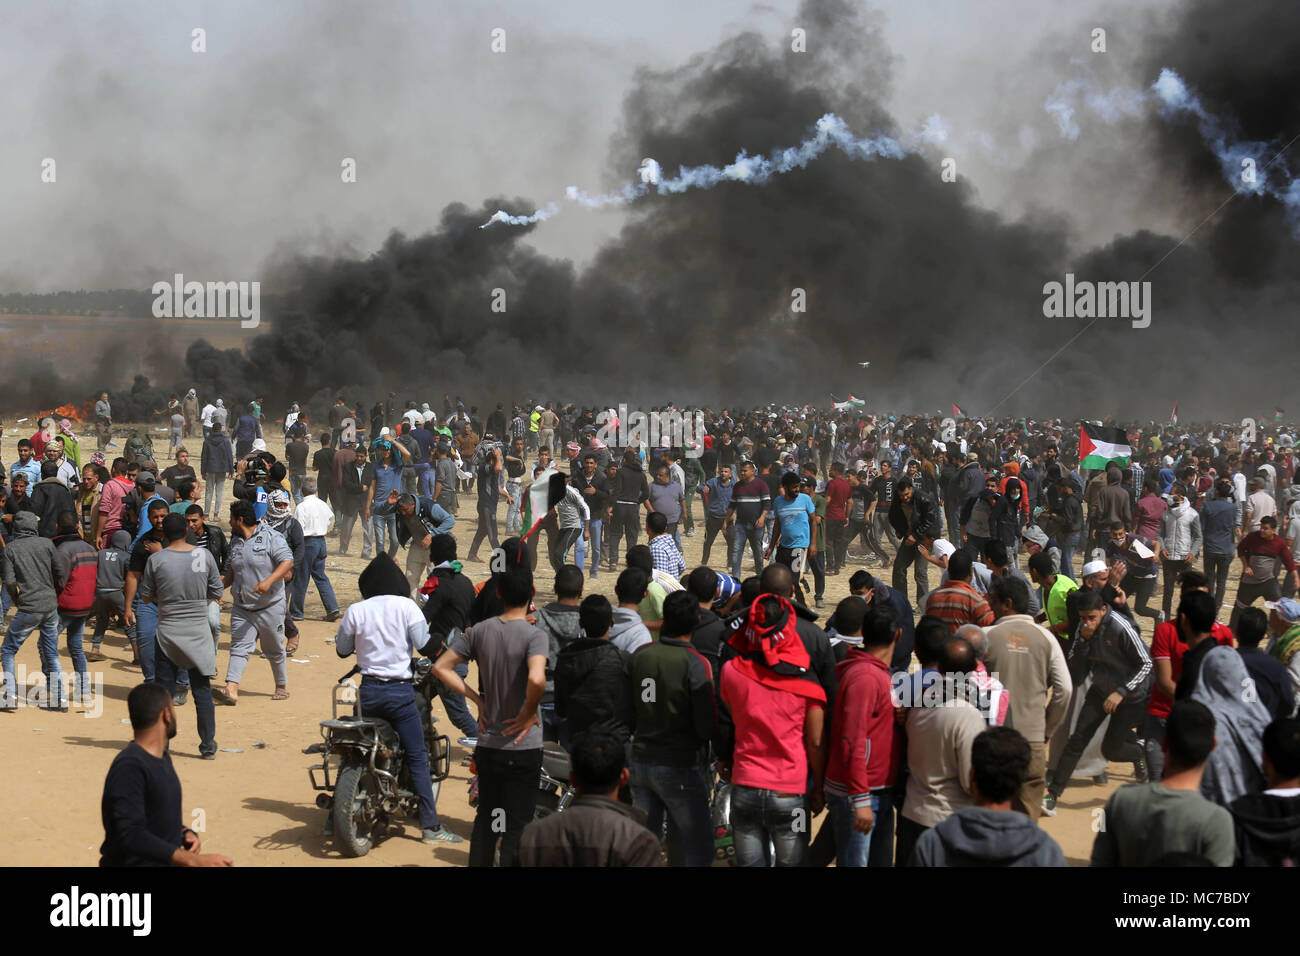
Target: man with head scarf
column 190, row 409
column 385, row 630
column 278, row 518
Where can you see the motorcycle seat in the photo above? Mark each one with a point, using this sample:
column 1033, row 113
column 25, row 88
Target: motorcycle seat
column 555, row 761
column 387, row 734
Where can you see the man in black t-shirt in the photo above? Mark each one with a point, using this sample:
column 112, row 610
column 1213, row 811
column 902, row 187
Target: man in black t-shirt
column 883, row 488
column 594, row 488
column 323, row 463
column 173, row 475
column 295, row 459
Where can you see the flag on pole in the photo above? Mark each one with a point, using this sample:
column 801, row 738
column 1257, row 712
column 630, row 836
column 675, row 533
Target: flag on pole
column 1173, row 416
column 851, row 403
column 1099, row 446
column 957, row 412
column 546, row 491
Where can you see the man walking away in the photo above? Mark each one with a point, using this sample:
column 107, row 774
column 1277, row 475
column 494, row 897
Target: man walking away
column 674, row 720
column 33, row 574
column 315, row 517
column 511, row 656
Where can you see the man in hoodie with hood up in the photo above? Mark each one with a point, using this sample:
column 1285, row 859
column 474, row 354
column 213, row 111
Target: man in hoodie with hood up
column 559, row 622
column 77, row 596
column 448, row 597
column 33, row 574
column 990, row 832
column 110, row 579
column 385, row 630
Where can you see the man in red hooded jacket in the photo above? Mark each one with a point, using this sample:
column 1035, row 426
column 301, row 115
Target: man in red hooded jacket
column 77, row 596
column 866, row 746
column 779, row 718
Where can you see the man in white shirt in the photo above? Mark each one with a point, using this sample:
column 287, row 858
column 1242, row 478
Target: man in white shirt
column 386, row 630
column 205, row 418
column 315, row 517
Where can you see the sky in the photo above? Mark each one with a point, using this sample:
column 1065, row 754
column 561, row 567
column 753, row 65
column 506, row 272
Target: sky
column 215, row 164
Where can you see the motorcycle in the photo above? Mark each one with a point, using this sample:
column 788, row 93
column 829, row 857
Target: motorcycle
column 365, row 779
column 554, row 791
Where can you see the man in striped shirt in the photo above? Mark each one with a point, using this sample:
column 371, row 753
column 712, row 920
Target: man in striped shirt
column 750, row 502
column 957, row 602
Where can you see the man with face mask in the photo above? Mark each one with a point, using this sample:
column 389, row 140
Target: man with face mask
column 1180, row 541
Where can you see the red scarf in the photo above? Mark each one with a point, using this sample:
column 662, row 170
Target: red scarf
column 771, row 652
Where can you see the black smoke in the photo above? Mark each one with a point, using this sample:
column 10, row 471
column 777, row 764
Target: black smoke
column 692, row 300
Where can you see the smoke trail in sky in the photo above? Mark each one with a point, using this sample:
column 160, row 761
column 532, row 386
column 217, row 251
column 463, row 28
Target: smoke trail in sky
column 830, row 131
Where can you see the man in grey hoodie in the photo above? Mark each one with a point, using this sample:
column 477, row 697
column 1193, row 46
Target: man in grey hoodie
column 629, row 631
column 559, row 622
column 33, row 574
column 110, row 579
column 990, row 833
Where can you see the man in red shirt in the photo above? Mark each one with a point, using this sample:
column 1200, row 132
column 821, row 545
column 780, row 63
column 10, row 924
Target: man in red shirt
column 838, row 492
column 778, row 709
column 1263, row 554
column 111, row 501
column 1167, row 650
column 866, row 747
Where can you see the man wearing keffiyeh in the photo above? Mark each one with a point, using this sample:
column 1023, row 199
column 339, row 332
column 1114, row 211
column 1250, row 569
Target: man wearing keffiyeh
column 279, row 519
column 779, row 717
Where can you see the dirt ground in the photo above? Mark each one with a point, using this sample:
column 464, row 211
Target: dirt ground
column 257, row 805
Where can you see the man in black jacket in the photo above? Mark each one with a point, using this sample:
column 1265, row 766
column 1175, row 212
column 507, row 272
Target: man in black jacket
column 50, row 498
column 628, row 490
column 591, row 676
column 711, row 633
column 914, row 516
column 449, row 595
column 1267, row 824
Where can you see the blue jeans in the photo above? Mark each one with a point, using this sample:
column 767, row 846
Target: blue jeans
column 758, row 816
column 20, row 628
column 454, row 704
column 203, row 709
column 682, row 792
column 76, row 626
column 313, row 567
column 395, row 703
column 295, row 488
column 859, row 849
column 146, row 636
column 583, row 548
column 1068, row 547
column 740, row 535
column 385, row 532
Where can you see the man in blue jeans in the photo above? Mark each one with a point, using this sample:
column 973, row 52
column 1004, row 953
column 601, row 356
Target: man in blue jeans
column 750, row 501
column 862, row 767
column 144, row 617
column 674, row 721
column 315, row 517
column 778, row 708
column 385, row 630
column 33, row 575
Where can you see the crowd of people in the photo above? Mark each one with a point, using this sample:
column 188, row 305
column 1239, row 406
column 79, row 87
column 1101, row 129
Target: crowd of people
column 935, row 723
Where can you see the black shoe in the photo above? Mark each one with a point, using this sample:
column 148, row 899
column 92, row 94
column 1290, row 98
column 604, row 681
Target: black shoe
column 1140, row 770
column 180, row 697
column 1101, row 779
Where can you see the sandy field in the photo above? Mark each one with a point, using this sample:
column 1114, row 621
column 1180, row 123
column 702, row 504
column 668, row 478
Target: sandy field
column 257, row 805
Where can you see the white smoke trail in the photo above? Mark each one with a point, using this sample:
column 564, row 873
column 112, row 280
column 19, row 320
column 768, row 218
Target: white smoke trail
column 830, row 131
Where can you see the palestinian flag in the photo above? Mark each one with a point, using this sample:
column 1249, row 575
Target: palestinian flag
column 1173, row 416
column 957, row 412
column 546, row 491
column 1099, row 446
column 851, row 403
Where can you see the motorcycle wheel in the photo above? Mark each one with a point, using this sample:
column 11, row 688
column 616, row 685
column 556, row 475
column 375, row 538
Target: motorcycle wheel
column 354, row 816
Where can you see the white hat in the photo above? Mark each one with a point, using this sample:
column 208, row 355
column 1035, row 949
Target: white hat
column 943, row 548
column 1093, row 567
